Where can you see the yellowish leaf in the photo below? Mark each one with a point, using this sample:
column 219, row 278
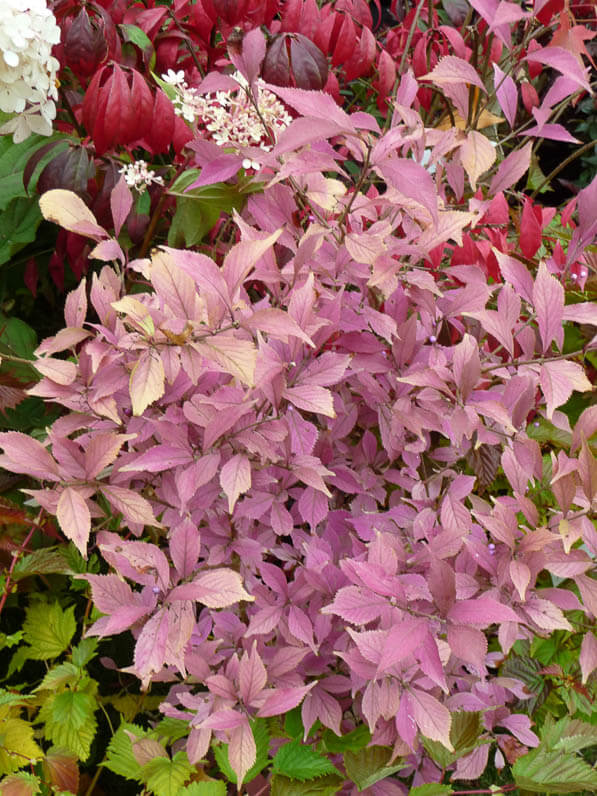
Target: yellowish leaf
column 147, row 381
column 477, row 155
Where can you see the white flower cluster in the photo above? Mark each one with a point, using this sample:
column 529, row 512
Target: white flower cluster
column 28, row 30
column 138, row 176
column 230, row 117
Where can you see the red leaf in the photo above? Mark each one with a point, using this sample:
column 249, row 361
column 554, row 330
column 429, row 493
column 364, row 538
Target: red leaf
column 530, row 230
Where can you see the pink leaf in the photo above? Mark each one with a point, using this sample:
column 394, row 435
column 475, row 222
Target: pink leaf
column 300, row 626
column 281, row 700
column 318, row 704
column 242, row 751
column 469, row 644
column 562, row 60
column 548, row 300
column 252, row 676
column 158, row 458
column 402, row 640
column 146, row 383
column 558, row 381
column 66, row 338
column 102, row 450
column 278, row 324
column 588, row 655
column 482, row 612
column 109, row 592
column 311, row 471
column 451, row 70
column 356, row 605
column 75, row 306
column 521, row 577
column 150, row 649
column 74, row 518
column 235, row 478
column 433, row 719
column 252, row 54
column 184, row 546
column 511, row 169
column 121, row 202
column 467, row 365
column 316, row 104
column 58, row 370
column 520, row 726
column 217, row 588
column 134, row 507
column 311, row 399
column 23, row 454
column 506, row 93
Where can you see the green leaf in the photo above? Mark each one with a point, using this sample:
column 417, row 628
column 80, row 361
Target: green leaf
column 351, row 742
column 171, row 729
column 212, row 788
column 119, row 754
column 9, row 698
column 166, row 777
column 48, row 629
column 540, row 771
column 17, row 339
column 17, row 747
column 18, row 660
column 18, row 226
column 59, row 677
column 568, row 735
column 84, row 651
column 70, row 721
column 14, row 157
column 369, row 765
column 433, row 789
column 298, row 761
column 47, row 561
column 465, row 731
column 293, row 723
column 261, row 736
column 324, row 786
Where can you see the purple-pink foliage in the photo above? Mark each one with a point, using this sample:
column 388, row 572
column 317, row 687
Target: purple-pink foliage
column 295, row 428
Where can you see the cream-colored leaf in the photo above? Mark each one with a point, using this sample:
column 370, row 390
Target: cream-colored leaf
column 477, row 155
column 70, row 211
column 230, row 355
column 147, row 381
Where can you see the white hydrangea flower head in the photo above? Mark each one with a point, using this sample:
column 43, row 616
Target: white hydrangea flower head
column 230, row 116
column 28, row 82
column 138, row 176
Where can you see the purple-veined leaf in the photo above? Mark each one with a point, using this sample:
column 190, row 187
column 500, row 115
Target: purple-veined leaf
column 413, row 181
column 74, row 518
column 432, row 718
column 23, row 454
column 481, row 612
column 281, row 700
column 235, row 478
column 121, row 202
column 217, row 588
column 548, row 300
column 511, row 169
column 146, row 383
column 242, row 751
column 327, row 369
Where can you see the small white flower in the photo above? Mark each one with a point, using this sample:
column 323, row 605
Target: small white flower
column 139, row 176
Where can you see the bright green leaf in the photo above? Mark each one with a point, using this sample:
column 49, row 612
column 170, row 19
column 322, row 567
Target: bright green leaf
column 119, row 755
column 166, row 777
column 299, row 761
column 553, row 772
column 70, row 721
column 84, row 651
column 293, row 723
column 351, row 742
column 211, row 788
column 17, row 747
column 48, row 629
column 432, row 789
column 59, row 677
column 370, row 765
column 323, row 786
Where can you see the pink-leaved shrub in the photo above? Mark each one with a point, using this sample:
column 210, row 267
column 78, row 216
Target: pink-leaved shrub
column 296, row 439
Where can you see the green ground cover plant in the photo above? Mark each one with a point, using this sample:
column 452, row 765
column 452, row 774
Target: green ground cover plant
column 298, row 465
